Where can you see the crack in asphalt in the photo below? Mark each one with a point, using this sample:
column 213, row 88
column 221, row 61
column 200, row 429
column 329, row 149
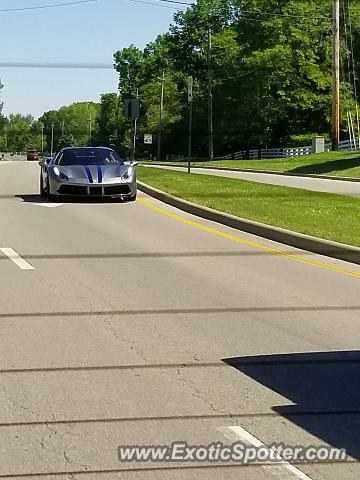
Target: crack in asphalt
column 126, row 340
column 197, row 394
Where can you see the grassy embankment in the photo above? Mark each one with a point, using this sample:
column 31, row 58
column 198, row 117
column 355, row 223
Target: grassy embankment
column 333, row 217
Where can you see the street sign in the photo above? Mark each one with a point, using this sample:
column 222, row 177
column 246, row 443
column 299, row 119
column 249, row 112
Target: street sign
column 148, row 140
column 190, row 88
column 132, row 108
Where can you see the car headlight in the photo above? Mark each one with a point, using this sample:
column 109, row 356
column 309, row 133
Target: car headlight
column 127, row 174
column 59, row 174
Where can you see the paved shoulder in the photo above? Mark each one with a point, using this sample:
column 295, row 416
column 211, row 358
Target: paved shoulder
column 338, row 187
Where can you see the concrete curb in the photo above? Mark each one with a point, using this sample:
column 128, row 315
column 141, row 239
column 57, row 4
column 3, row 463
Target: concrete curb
column 269, row 172
column 303, row 242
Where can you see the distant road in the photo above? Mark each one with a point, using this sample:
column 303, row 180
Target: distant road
column 339, row 187
column 12, row 158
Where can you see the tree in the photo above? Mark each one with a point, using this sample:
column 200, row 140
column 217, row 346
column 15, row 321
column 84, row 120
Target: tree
column 3, row 123
column 271, row 69
column 172, row 112
column 22, row 133
column 77, row 120
column 129, row 63
column 110, row 121
column 66, row 140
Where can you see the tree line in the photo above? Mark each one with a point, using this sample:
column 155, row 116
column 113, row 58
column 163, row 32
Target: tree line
column 70, row 125
column 266, row 63
column 269, row 66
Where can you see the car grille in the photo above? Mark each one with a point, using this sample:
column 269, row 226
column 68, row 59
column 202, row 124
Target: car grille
column 96, row 191
column 73, row 190
column 117, row 190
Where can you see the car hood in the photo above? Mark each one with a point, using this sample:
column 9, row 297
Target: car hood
column 93, row 173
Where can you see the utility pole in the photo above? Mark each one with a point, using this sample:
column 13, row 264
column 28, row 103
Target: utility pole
column 52, row 140
column 336, row 76
column 6, row 138
column 160, row 117
column 134, row 131
column 210, row 97
column 190, row 100
column 42, row 137
column 90, row 130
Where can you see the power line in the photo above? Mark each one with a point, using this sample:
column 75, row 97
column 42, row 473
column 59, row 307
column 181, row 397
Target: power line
column 282, row 15
column 285, row 15
column 154, row 4
column 177, row 2
column 233, row 77
column 80, row 2
column 65, row 65
column 40, row 7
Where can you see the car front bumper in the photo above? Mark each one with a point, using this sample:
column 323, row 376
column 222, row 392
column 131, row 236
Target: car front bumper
column 106, row 190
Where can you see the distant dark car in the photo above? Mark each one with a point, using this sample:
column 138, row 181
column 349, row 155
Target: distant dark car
column 32, row 155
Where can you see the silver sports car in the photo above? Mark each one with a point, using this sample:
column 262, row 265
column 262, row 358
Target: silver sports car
column 87, row 171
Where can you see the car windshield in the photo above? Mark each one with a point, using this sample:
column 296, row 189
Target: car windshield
column 87, row 156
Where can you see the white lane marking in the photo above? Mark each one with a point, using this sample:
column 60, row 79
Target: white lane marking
column 47, row 205
column 239, row 433
column 15, row 257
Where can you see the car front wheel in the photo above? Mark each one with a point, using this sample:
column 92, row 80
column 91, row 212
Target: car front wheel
column 42, row 190
column 132, row 198
column 48, row 193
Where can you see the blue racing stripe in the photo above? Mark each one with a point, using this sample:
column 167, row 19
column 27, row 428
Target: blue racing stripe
column 88, row 173
column 100, row 174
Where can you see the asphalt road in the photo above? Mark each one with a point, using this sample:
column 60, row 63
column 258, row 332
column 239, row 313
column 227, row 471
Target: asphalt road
column 139, row 324
column 339, row 187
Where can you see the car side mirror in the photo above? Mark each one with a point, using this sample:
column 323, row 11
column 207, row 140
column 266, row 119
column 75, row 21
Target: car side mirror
column 134, row 164
column 45, row 162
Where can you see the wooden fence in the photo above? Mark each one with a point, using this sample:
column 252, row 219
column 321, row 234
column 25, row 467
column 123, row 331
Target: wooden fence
column 284, row 152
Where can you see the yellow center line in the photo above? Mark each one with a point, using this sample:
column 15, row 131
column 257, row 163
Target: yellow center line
column 243, row 241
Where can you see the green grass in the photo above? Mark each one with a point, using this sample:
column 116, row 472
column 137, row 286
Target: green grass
column 333, row 217
column 333, row 163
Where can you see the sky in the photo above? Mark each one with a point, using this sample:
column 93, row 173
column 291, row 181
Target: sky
column 85, row 33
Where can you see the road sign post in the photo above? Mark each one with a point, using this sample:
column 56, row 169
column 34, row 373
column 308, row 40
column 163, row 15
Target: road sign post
column 132, row 112
column 190, row 100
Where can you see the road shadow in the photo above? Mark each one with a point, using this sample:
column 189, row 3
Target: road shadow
column 31, row 198
column 165, row 312
column 26, row 198
column 324, row 386
column 327, row 167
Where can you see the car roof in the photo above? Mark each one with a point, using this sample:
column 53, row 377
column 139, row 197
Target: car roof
column 88, row 148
